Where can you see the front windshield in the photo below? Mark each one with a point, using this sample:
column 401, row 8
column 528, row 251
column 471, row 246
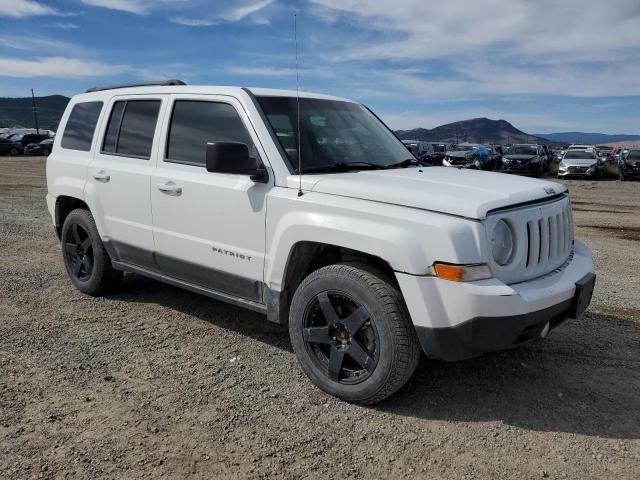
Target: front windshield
column 575, row 154
column 633, row 156
column 523, row 150
column 461, row 148
column 333, row 134
column 439, row 148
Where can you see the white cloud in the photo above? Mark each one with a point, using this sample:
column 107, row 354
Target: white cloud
column 34, row 43
column 25, row 8
column 60, row 67
column 63, row 26
column 229, row 16
column 416, row 29
column 496, row 47
column 262, row 71
column 139, row 7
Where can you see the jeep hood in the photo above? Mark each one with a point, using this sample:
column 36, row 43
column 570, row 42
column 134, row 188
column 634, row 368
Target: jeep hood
column 453, row 191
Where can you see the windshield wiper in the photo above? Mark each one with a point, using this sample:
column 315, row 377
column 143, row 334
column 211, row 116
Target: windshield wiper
column 344, row 167
column 406, row 163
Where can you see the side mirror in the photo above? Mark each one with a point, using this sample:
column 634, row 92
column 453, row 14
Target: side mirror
column 233, row 158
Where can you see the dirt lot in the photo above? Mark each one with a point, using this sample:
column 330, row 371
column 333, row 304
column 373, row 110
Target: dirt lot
column 156, row 381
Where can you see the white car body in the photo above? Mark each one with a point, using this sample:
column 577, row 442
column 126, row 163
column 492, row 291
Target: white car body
column 578, row 162
column 238, row 238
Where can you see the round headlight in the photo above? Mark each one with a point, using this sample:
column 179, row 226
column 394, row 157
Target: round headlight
column 502, row 243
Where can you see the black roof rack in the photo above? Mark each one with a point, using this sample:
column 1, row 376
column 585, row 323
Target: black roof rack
column 159, row 83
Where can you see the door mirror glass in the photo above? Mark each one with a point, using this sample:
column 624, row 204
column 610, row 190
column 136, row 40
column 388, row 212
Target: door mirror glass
column 233, row 158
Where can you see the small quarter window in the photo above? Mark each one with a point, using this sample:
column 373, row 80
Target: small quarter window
column 195, row 123
column 81, row 125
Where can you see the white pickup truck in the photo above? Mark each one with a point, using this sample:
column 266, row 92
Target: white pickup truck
column 368, row 256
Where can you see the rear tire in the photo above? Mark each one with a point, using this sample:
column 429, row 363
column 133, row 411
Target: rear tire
column 14, row 152
column 45, row 152
column 87, row 262
column 352, row 333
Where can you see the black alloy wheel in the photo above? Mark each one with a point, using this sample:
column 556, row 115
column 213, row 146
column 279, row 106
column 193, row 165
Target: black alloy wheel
column 85, row 258
column 352, row 333
column 78, row 251
column 341, row 338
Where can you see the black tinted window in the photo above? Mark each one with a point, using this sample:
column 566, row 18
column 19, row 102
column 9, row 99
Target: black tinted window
column 78, row 133
column 131, row 128
column 194, row 123
column 111, row 137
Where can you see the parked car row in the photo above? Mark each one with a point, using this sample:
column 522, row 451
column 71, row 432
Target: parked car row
column 25, row 143
column 527, row 159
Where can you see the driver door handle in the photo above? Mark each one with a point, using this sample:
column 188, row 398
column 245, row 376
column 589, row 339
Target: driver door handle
column 102, row 176
column 170, row 188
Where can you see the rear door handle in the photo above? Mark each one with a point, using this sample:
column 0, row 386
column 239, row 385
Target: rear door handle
column 102, row 176
column 170, row 188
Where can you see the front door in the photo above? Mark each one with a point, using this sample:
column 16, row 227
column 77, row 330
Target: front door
column 209, row 228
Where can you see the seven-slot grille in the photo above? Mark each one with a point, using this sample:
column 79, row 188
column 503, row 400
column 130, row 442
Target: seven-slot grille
column 543, row 239
column 549, row 239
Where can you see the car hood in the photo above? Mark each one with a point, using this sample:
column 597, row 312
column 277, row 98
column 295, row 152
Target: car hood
column 519, row 156
column 461, row 153
column 580, row 161
column 459, row 192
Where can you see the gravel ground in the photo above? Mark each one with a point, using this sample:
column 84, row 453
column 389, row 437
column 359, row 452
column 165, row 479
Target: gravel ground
column 156, row 381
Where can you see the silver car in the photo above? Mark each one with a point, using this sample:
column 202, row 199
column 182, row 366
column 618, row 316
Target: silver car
column 579, row 163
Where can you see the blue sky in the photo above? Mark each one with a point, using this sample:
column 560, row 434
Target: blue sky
column 544, row 65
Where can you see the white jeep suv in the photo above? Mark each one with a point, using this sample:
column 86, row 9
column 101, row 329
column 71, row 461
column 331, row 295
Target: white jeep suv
column 368, row 256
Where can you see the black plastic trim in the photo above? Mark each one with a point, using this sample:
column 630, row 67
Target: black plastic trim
column 487, row 334
column 272, row 133
column 539, row 201
column 157, row 83
column 209, row 278
column 221, row 296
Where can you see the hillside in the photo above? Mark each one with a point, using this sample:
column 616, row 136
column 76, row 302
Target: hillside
column 476, row 130
column 18, row 112
column 587, row 138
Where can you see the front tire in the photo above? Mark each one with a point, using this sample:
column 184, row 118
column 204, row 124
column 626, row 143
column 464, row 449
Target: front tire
column 352, row 333
column 85, row 258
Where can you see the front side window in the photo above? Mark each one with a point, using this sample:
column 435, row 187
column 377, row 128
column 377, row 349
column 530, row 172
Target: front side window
column 81, row 125
column 334, row 135
column 195, row 123
column 131, row 128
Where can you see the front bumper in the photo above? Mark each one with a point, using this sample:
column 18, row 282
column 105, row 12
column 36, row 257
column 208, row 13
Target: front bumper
column 455, row 321
column 527, row 169
column 630, row 171
column 578, row 172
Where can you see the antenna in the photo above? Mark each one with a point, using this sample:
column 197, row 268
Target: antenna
column 35, row 110
column 295, row 40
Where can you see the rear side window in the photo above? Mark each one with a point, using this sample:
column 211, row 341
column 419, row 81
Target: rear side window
column 131, row 127
column 195, row 123
column 81, row 125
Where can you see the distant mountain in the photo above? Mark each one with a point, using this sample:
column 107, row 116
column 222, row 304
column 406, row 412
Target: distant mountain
column 18, row 112
column 587, row 138
column 476, row 130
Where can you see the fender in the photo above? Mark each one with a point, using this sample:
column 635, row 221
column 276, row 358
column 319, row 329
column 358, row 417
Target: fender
column 408, row 239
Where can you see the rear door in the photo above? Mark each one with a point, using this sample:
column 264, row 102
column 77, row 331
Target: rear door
column 119, row 177
column 209, row 228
